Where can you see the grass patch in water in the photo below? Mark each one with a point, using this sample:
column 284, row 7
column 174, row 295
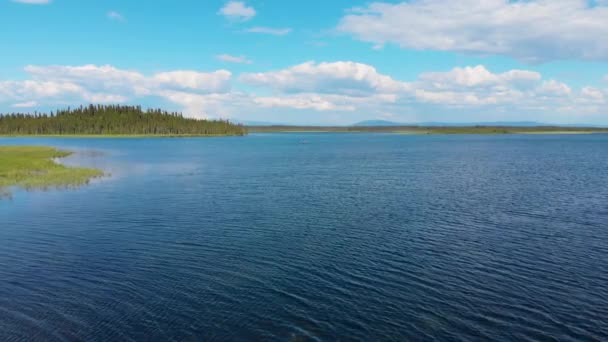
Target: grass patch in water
column 112, row 136
column 33, row 167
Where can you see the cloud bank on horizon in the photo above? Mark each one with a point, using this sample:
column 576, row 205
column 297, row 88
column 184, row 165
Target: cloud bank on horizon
column 421, row 60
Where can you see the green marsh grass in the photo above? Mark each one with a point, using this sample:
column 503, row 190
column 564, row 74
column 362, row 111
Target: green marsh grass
column 33, row 167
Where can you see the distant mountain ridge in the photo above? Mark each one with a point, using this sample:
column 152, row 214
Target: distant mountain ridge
column 385, row 123
column 370, row 123
column 258, row 123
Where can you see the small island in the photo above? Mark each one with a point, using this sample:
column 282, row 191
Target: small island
column 33, row 167
column 114, row 121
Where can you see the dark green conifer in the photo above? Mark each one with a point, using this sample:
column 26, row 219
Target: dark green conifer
column 113, row 119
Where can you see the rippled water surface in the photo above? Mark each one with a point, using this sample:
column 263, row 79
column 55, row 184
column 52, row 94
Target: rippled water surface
column 296, row 237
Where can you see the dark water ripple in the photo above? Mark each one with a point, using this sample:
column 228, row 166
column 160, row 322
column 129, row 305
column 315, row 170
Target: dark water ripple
column 349, row 237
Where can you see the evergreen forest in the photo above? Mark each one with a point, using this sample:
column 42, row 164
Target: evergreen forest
column 113, row 120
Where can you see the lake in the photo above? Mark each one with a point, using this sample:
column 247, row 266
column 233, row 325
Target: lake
column 297, row 237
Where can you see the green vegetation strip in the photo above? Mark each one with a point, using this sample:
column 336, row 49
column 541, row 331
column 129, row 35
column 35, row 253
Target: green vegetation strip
column 33, row 167
column 429, row 129
column 112, row 136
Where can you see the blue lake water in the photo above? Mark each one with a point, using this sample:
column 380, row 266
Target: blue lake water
column 297, row 237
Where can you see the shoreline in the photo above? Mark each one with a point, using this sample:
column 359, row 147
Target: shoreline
column 36, row 167
column 125, row 136
column 439, row 132
column 385, row 130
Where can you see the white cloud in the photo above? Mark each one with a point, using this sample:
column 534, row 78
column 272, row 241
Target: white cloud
column 107, row 77
column 27, row 104
column 33, row 91
column 454, row 98
column 592, row 95
column 233, row 59
column 104, row 98
column 531, row 31
column 269, row 30
column 478, row 86
column 213, row 82
column 219, row 105
column 325, row 102
column 346, row 78
column 470, row 86
column 554, row 88
column 332, row 88
column 351, row 86
column 302, row 101
column 34, row 2
column 108, row 84
column 19, row 90
column 113, row 15
column 90, row 75
column 201, row 106
column 479, row 76
column 237, row 10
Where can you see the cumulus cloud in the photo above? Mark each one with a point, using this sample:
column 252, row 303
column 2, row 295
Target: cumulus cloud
column 329, row 87
column 233, row 59
column 89, row 75
column 107, row 77
column 346, row 78
column 32, row 91
column 554, row 88
column 204, row 105
column 33, row 2
column 269, row 30
column 103, row 98
column 212, row 82
column 592, row 95
column 531, row 31
column 478, row 86
column 479, row 76
column 27, row 104
column 454, row 98
column 108, row 84
column 22, row 89
column 237, row 10
column 350, row 86
column 302, row 101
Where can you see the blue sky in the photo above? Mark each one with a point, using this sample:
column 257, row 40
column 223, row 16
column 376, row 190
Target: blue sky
column 312, row 62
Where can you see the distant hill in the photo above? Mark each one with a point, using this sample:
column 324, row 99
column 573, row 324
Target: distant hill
column 488, row 123
column 387, row 123
column 258, row 123
column 377, row 123
column 384, row 123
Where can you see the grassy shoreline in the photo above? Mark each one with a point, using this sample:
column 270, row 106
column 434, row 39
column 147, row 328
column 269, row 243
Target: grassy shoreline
column 34, row 167
column 116, row 135
column 428, row 130
column 342, row 129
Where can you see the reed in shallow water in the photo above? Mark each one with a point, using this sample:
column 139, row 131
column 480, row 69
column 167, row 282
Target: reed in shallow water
column 33, row 167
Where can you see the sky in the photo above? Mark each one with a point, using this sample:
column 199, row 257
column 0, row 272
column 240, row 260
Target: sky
column 312, row 62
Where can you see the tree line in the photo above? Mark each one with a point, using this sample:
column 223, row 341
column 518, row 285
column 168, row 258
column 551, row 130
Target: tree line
column 113, row 119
